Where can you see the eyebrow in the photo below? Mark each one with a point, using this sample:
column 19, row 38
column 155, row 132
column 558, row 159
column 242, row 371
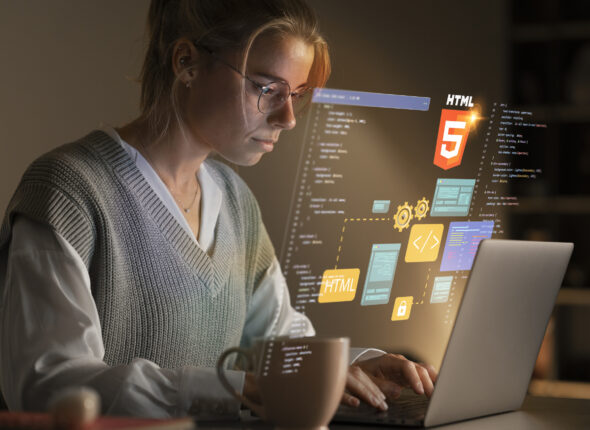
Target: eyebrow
column 274, row 78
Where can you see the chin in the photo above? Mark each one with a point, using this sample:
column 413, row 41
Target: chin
column 245, row 160
column 253, row 160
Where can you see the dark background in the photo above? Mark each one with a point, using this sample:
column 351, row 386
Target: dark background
column 68, row 66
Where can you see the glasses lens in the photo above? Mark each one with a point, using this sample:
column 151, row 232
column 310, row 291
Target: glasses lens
column 301, row 100
column 274, row 96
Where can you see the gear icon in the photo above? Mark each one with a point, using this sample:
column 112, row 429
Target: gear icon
column 421, row 208
column 403, row 217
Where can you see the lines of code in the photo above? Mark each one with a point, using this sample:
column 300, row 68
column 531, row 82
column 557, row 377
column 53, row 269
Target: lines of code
column 392, row 196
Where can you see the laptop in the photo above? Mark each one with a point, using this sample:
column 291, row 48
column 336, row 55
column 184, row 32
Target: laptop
column 495, row 340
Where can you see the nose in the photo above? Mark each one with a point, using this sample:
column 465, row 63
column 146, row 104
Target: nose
column 284, row 117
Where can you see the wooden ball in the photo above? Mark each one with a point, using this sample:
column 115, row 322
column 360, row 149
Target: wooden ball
column 75, row 408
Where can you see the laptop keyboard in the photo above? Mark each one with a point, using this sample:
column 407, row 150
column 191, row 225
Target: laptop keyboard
column 408, row 409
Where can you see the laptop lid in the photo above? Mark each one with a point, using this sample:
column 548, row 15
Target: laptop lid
column 499, row 328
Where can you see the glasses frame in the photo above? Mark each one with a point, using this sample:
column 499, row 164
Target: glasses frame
column 264, row 89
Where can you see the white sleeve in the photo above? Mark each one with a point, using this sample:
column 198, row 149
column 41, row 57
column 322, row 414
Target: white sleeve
column 360, row 354
column 270, row 314
column 50, row 338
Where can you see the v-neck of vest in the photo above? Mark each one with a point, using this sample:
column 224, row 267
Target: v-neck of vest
column 209, row 269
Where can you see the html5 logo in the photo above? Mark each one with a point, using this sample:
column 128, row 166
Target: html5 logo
column 453, row 132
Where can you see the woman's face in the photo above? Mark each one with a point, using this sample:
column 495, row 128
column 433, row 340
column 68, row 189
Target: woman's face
column 214, row 109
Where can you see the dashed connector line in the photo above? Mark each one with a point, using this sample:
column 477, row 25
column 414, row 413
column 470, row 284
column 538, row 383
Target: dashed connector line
column 366, row 219
column 421, row 302
column 340, row 242
column 344, row 229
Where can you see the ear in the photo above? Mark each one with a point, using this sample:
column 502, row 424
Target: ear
column 184, row 59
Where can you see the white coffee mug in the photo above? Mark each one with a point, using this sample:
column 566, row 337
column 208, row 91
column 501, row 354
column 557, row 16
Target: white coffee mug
column 301, row 380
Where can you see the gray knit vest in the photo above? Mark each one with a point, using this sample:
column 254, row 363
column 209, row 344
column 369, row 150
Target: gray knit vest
column 158, row 295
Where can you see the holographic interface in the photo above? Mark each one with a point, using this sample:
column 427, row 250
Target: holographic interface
column 397, row 192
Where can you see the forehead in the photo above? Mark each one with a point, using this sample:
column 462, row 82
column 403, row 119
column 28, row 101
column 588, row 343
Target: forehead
column 286, row 58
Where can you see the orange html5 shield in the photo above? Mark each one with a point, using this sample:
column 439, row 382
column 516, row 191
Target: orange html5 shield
column 452, row 137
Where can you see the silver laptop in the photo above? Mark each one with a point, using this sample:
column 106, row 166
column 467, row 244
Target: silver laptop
column 497, row 334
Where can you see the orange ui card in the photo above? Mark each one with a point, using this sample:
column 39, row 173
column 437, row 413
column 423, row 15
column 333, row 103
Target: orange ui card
column 339, row 285
column 452, row 138
column 424, row 242
column 402, row 308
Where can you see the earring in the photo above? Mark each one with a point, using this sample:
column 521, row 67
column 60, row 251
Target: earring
column 188, row 84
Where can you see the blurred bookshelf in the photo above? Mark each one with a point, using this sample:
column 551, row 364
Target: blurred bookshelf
column 550, row 75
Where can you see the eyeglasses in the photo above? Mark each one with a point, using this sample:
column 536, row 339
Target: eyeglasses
column 273, row 95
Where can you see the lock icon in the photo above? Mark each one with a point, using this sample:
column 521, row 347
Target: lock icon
column 402, row 308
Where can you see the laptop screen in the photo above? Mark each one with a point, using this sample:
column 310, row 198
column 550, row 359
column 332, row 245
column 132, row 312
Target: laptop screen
column 392, row 196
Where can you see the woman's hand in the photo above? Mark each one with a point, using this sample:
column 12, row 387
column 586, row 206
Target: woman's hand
column 382, row 378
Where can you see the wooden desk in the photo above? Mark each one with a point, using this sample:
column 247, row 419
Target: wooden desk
column 537, row 413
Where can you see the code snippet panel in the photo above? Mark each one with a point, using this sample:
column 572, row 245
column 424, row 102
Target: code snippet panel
column 392, row 196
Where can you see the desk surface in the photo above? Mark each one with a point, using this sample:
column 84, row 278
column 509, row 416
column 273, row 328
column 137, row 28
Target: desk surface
column 537, row 413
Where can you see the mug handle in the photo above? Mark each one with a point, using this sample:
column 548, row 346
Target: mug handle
column 258, row 409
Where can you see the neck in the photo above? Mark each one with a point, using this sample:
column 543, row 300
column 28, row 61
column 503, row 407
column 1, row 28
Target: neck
column 176, row 156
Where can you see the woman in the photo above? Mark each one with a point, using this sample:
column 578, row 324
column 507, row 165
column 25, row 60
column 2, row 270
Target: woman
column 131, row 260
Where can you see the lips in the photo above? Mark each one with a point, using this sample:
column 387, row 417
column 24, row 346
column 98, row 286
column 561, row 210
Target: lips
column 267, row 144
column 265, row 141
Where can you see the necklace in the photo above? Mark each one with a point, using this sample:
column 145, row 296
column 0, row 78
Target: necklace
column 186, row 209
column 189, row 207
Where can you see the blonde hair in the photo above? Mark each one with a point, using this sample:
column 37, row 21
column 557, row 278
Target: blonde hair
column 218, row 25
